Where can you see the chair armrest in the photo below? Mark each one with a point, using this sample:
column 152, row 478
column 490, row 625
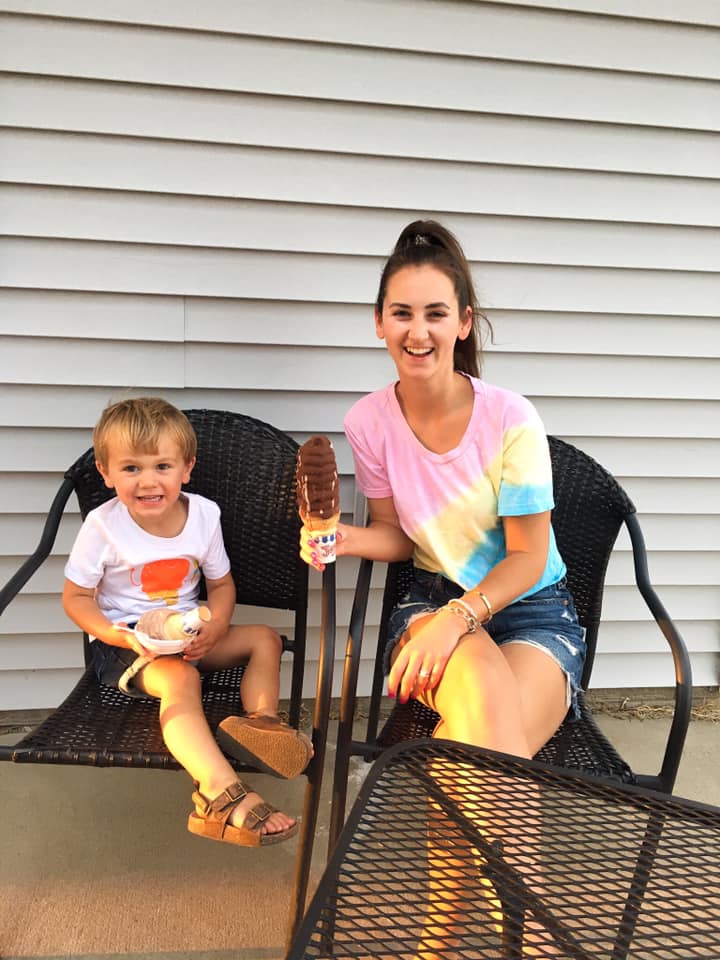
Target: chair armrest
column 665, row 780
column 42, row 551
column 326, row 663
column 348, row 699
column 353, row 650
column 314, row 771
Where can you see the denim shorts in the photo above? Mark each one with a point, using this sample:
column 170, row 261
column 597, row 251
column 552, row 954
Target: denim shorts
column 110, row 663
column 546, row 620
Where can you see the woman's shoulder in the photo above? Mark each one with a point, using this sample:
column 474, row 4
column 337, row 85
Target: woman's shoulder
column 505, row 403
column 369, row 408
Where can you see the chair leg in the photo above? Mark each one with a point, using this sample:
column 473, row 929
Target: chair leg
column 303, row 859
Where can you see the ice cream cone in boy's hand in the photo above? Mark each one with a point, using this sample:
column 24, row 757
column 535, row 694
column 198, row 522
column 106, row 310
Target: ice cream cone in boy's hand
column 318, row 496
column 170, row 631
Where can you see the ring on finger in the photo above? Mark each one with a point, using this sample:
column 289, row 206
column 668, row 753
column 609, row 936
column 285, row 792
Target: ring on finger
column 424, row 674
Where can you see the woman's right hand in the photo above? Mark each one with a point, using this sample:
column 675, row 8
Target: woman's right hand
column 421, row 662
column 343, row 540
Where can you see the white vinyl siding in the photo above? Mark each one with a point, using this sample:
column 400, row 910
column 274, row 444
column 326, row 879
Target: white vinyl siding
column 196, row 201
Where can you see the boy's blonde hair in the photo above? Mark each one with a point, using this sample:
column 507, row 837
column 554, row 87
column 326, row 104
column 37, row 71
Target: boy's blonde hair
column 138, row 423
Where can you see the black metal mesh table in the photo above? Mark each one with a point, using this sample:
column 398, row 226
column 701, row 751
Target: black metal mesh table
column 456, row 852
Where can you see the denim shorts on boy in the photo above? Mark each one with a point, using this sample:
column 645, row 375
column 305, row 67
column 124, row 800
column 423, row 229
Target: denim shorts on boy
column 111, row 663
column 546, row 620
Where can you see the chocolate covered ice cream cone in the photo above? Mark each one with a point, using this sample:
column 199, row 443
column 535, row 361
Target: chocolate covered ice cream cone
column 318, row 495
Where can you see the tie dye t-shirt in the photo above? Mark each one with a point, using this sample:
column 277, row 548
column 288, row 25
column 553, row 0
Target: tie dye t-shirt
column 450, row 504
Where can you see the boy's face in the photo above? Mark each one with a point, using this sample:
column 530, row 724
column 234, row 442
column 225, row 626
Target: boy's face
column 148, row 484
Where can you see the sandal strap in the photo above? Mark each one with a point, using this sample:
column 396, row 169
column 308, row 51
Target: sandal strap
column 268, row 718
column 223, row 805
column 257, row 815
column 219, row 809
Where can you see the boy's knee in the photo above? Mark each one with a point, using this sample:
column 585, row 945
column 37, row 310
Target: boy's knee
column 270, row 640
column 258, row 642
column 173, row 676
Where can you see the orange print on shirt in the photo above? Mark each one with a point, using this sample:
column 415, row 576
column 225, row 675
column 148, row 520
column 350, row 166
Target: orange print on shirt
column 162, row 579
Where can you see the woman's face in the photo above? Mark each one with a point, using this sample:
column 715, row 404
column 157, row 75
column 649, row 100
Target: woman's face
column 420, row 321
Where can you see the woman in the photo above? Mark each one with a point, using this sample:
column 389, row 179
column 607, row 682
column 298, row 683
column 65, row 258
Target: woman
column 457, row 475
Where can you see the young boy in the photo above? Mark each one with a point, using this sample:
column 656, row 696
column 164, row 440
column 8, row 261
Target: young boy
column 145, row 549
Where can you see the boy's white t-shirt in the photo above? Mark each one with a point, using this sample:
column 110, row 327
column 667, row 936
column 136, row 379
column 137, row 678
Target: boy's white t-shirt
column 133, row 571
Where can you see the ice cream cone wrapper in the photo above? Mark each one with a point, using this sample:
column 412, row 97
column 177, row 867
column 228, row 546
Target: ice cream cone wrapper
column 318, row 537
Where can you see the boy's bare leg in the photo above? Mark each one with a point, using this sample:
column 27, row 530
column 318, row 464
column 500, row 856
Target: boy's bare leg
column 260, row 648
column 187, row 735
column 260, row 739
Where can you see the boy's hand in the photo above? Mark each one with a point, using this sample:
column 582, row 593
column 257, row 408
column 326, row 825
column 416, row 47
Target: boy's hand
column 129, row 638
column 204, row 640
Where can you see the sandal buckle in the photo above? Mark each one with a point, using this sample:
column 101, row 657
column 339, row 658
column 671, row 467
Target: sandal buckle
column 235, row 792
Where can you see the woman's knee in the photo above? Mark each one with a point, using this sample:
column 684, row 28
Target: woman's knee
column 478, row 700
column 476, row 674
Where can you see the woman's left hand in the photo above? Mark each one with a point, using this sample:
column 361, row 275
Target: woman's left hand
column 420, row 664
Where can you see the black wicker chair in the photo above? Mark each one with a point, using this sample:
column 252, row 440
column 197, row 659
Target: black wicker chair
column 590, row 508
column 248, row 468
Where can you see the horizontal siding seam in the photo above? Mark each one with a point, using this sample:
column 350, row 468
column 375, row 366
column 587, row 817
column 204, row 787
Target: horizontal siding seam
column 597, row 69
column 419, row 51
column 355, row 154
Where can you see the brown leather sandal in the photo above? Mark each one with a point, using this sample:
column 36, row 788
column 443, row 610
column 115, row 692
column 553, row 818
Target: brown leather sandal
column 265, row 742
column 210, row 819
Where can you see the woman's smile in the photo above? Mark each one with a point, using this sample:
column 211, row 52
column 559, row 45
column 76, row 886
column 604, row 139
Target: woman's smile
column 419, row 351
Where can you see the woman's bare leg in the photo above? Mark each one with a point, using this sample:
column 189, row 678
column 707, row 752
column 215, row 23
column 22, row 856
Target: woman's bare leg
column 511, row 701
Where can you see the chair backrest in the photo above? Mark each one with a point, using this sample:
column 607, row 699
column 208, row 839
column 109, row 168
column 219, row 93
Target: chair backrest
column 248, row 468
column 590, row 506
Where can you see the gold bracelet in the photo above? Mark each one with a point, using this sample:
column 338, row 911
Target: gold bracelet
column 487, row 603
column 458, row 607
column 466, row 606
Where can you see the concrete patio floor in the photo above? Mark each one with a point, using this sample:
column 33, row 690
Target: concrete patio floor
column 98, row 863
